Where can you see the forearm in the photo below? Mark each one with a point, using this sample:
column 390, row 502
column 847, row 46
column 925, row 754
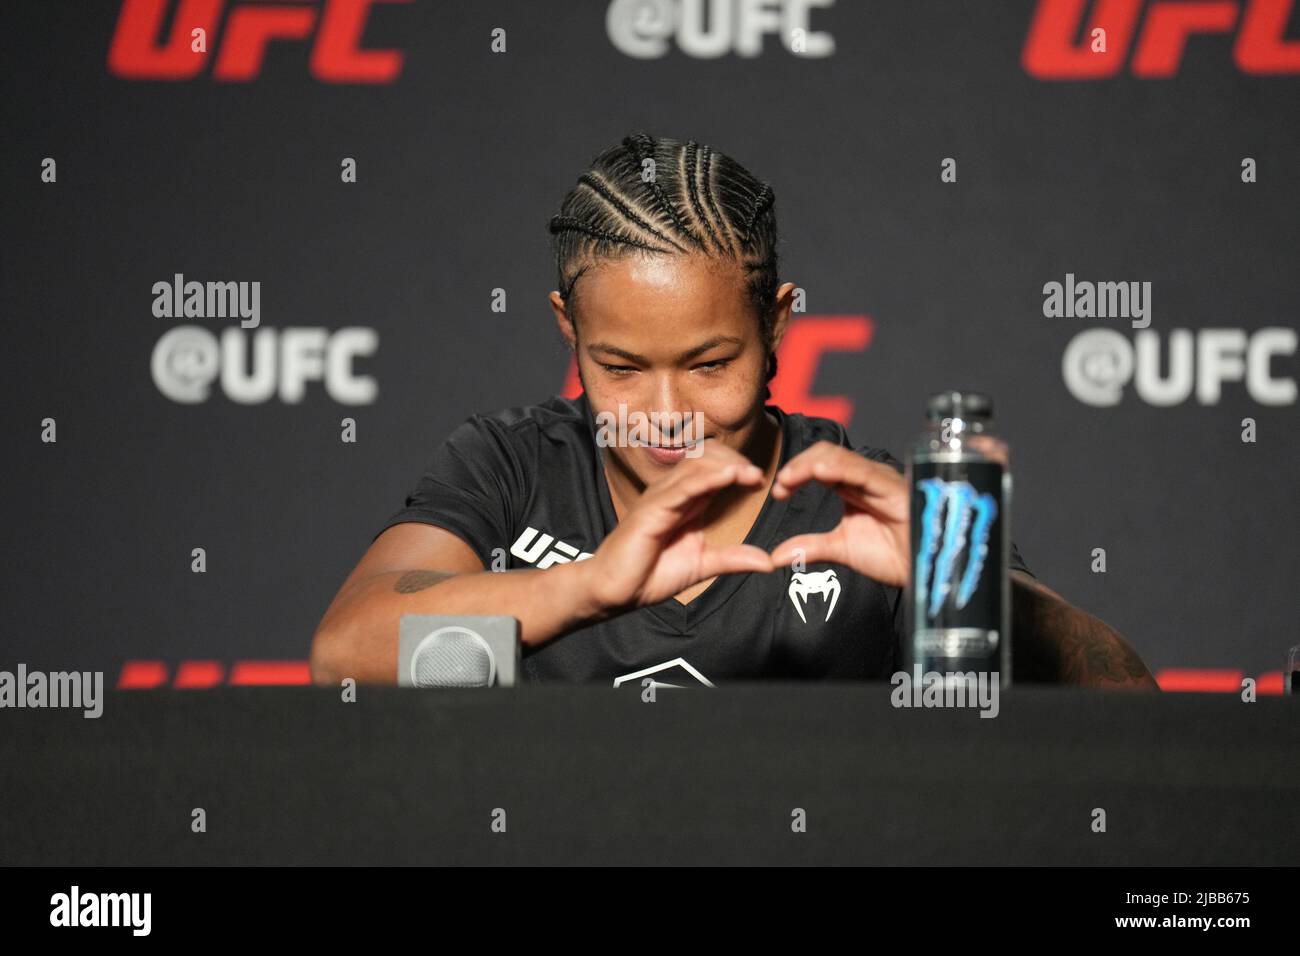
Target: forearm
column 1053, row 641
column 358, row 636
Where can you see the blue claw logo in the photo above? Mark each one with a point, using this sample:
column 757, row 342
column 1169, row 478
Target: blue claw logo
column 954, row 513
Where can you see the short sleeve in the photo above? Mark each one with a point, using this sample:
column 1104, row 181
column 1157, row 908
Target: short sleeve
column 900, row 628
column 880, row 455
column 473, row 486
column 1015, row 563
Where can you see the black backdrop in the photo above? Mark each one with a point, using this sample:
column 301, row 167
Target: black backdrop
column 464, row 154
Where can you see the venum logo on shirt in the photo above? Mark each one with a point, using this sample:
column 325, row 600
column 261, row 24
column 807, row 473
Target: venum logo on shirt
column 531, row 547
column 803, row 584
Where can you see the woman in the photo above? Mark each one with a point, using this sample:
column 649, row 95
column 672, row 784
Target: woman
column 735, row 541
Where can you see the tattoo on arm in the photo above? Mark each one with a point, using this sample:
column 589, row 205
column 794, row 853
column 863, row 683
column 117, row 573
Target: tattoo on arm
column 1094, row 654
column 413, row 581
column 1062, row 643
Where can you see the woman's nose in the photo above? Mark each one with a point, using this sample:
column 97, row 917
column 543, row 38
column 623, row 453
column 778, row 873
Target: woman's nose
column 671, row 400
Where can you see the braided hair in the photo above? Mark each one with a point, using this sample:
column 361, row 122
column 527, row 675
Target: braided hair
column 691, row 199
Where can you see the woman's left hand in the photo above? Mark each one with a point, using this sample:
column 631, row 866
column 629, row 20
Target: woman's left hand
column 872, row 537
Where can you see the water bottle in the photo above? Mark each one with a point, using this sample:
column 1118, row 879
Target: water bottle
column 959, row 597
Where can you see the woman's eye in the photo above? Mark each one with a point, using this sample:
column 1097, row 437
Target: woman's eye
column 707, row 367
column 710, row 367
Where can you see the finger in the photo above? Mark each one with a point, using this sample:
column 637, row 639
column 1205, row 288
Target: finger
column 799, row 469
column 705, row 480
column 840, row 466
column 734, row 559
column 715, row 450
column 688, row 517
column 671, row 505
column 989, row 447
column 715, row 457
column 827, row 546
column 887, row 508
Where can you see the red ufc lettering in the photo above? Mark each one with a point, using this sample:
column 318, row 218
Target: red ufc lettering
column 195, row 675
column 1260, row 48
column 1216, row 681
column 1169, row 25
column 134, row 53
column 248, row 31
column 801, row 351
column 1052, row 53
column 336, row 57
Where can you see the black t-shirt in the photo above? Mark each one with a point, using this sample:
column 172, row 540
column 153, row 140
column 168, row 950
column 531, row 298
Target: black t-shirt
column 526, row 487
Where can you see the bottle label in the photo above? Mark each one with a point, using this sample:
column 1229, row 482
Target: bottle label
column 957, row 560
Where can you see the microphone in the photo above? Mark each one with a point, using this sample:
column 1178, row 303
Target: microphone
column 441, row 650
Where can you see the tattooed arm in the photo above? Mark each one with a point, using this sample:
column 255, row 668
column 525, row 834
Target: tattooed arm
column 1054, row 641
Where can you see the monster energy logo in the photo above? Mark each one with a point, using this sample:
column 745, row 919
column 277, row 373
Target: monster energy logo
column 954, row 514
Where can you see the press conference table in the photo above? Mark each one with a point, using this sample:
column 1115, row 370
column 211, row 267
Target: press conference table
column 594, row 775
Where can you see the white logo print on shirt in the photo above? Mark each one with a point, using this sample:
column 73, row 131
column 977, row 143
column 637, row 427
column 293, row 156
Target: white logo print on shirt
column 814, row 582
column 680, row 664
column 531, row 544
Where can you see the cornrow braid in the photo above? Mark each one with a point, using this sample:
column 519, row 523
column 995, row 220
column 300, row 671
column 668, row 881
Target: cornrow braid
column 596, row 185
column 569, row 223
column 713, row 206
column 642, row 149
column 699, row 202
column 690, row 158
column 765, row 199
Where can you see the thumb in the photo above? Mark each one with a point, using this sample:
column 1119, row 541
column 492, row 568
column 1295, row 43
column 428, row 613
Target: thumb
column 808, row 547
column 733, row 559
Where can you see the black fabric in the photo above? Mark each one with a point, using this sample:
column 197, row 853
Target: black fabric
column 526, row 486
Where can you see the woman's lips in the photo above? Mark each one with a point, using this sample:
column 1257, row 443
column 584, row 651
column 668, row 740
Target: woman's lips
column 670, row 454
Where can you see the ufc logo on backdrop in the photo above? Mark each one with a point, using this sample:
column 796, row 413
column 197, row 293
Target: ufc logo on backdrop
column 148, row 44
column 706, row 29
column 1064, row 44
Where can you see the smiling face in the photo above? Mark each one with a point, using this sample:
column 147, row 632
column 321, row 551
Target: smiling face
column 671, row 334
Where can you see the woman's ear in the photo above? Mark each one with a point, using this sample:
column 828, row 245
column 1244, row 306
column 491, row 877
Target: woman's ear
column 781, row 308
column 564, row 321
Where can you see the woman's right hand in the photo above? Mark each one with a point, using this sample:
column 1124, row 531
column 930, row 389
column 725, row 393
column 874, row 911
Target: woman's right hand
column 658, row 550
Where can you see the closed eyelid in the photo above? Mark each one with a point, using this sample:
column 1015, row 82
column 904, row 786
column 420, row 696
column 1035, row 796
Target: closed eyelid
column 716, row 361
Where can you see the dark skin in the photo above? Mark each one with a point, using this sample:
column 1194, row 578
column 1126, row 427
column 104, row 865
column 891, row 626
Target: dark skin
column 1078, row 648
column 677, row 333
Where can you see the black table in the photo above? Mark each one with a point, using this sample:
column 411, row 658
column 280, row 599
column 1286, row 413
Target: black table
column 589, row 774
